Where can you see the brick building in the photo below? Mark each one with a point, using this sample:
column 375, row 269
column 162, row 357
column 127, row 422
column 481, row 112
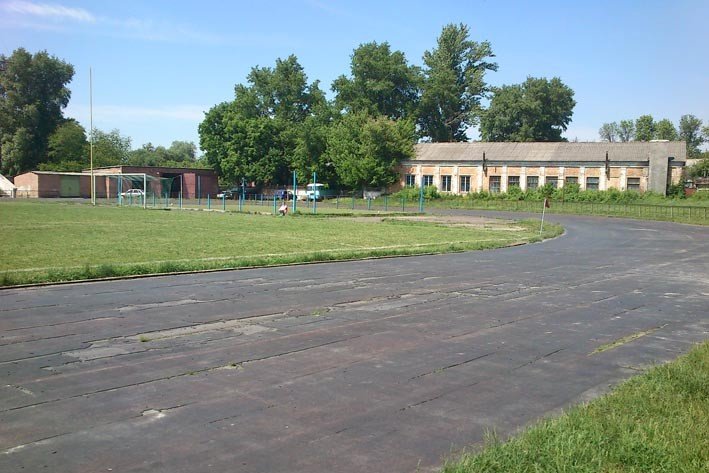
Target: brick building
column 459, row 168
column 193, row 183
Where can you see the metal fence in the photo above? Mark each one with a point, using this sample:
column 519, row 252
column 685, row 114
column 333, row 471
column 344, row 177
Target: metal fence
column 344, row 204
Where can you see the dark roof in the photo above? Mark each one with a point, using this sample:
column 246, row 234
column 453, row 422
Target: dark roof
column 546, row 152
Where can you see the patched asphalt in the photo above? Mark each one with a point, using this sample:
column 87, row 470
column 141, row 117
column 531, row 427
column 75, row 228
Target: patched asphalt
column 370, row 366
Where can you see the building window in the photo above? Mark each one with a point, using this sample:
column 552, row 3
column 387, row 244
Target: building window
column 427, row 180
column 494, row 184
column 591, row 183
column 532, row 182
column 553, row 180
column 410, row 180
column 446, row 183
column 633, row 184
column 464, row 183
column 512, row 181
column 572, row 180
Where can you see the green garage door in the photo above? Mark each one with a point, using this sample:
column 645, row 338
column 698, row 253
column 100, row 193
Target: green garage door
column 70, row 187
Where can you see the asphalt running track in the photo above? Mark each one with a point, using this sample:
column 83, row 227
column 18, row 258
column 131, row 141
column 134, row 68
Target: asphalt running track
column 371, row 366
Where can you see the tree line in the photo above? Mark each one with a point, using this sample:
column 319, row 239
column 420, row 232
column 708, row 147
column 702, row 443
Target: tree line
column 690, row 130
column 35, row 135
column 280, row 122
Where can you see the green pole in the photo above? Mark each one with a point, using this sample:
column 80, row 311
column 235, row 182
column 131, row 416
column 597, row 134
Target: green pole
column 223, row 202
column 421, row 199
column 199, row 190
column 315, row 195
column 337, row 202
column 295, row 191
column 180, row 199
column 209, row 203
column 386, row 203
column 353, row 197
column 403, row 204
column 369, row 203
column 153, row 199
column 274, row 204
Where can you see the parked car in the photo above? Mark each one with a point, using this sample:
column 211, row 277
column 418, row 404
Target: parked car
column 283, row 194
column 132, row 193
column 235, row 193
column 318, row 191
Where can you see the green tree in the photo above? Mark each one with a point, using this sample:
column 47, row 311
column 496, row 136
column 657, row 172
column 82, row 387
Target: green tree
column 110, row 149
column 68, row 149
column 609, row 131
column 271, row 126
column 454, row 84
column 366, row 151
column 665, row 130
column 382, row 83
column 33, row 93
column 690, row 131
column 645, row 128
column 626, row 130
column 282, row 92
column 536, row 110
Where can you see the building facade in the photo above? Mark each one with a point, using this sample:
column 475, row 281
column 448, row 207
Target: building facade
column 189, row 182
column 460, row 168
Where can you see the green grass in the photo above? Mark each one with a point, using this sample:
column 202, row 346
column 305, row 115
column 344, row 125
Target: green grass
column 657, row 422
column 676, row 211
column 51, row 242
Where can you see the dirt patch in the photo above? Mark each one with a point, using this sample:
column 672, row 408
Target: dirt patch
column 451, row 221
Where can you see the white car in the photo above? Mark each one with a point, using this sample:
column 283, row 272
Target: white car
column 132, row 193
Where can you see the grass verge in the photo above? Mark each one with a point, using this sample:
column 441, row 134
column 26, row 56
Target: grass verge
column 53, row 242
column 657, row 422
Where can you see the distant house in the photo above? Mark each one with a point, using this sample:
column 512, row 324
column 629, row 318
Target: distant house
column 459, row 168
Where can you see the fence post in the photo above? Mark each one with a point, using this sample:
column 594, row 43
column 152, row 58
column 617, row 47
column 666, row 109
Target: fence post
column 403, row 204
column 209, row 203
column 386, row 203
column 337, row 202
column 274, row 204
column 369, row 203
column 353, row 198
column 223, row 202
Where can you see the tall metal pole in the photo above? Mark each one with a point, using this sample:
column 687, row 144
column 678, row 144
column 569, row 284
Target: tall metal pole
column 145, row 191
column 91, row 146
column 295, row 190
column 315, row 194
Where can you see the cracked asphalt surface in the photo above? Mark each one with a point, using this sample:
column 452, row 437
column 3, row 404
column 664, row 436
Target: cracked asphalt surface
column 379, row 365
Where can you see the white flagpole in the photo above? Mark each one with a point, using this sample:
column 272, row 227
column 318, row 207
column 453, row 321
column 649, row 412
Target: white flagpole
column 544, row 207
column 91, row 146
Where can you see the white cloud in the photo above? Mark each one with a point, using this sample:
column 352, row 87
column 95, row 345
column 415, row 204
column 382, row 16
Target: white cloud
column 52, row 11
column 118, row 113
column 44, row 16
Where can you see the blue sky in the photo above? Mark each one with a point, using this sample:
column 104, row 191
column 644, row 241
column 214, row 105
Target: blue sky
column 158, row 65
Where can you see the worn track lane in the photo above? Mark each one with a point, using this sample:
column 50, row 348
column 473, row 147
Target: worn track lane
column 383, row 365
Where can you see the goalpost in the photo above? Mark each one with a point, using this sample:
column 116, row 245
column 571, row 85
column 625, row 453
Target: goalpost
column 121, row 186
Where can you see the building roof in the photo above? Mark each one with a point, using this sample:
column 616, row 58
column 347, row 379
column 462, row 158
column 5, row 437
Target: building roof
column 632, row 151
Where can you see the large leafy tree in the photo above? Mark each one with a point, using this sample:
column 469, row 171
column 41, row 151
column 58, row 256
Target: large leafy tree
column 179, row 154
column 270, row 122
column 381, row 83
column 626, row 130
column 110, row 148
column 609, row 131
column 690, row 131
column 68, row 149
column 645, row 128
column 454, row 84
column 665, row 130
column 33, row 93
column 536, row 110
column 366, row 151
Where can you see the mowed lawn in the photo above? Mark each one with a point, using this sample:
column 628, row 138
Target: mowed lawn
column 55, row 241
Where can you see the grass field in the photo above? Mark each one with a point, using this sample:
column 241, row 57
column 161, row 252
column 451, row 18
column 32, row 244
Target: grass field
column 50, row 242
column 657, row 422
